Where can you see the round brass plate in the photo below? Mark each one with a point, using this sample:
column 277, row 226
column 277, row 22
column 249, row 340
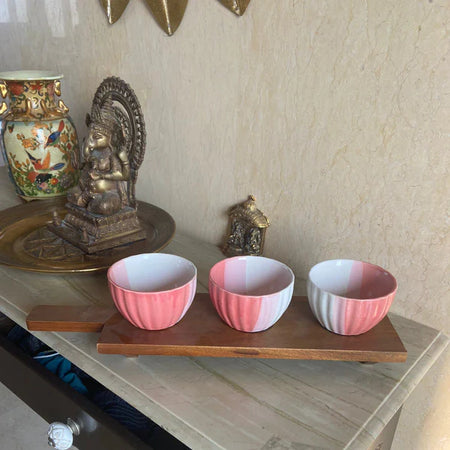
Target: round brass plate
column 25, row 242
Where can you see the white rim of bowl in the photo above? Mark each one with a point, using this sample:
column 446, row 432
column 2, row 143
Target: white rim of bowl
column 152, row 292
column 30, row 75
column 352, row 298
column 251, row 257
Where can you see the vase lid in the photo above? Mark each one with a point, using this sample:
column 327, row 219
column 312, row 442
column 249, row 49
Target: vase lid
column 29, row 75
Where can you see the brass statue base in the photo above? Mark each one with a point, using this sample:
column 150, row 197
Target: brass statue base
column 93, row 233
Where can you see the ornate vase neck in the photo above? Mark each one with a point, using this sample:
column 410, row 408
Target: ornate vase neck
column 31, row 100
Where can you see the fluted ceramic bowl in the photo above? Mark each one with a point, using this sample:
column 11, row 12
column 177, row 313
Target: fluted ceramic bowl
column 153, row 291
column 250, row 293
column 350, row 297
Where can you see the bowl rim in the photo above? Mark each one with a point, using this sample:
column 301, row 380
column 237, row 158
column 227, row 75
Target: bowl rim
column 194, row 277
column 393, row 291
column 252, row 257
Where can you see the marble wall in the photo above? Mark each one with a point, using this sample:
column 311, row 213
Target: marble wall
column 335, row 115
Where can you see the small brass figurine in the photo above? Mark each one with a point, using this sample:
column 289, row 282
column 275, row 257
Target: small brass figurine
column 102, row 208
column 247, row 228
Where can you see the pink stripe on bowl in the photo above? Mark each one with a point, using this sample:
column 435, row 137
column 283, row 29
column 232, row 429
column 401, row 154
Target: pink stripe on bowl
column 350, row 297
column 153, row 291
column 250, row 293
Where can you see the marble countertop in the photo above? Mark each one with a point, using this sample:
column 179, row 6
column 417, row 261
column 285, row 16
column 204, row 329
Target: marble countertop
column 230, row 402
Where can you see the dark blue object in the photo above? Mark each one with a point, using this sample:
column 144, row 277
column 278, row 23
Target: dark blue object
column 30, row 344
column 62, row 367
column 124, row 413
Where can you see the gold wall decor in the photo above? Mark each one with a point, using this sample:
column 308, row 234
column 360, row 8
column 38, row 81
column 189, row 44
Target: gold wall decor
column 114, row 9
column 167, row 13
column 246, row 229
column 237, row 6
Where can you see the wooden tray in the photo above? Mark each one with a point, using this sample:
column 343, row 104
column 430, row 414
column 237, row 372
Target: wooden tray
column 297, row 335
column 69, row 318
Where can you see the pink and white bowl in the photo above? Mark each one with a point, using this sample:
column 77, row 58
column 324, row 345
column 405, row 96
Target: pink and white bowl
column 250, row 293
column 350, row 297
column 153, row 291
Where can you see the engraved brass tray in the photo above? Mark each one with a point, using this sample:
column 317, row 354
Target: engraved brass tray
column 25, row 242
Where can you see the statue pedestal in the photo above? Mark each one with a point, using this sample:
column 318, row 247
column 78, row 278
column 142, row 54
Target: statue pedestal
column 93, row 233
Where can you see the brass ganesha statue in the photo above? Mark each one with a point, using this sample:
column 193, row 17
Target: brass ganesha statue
column 102, row 208
column 102, row 188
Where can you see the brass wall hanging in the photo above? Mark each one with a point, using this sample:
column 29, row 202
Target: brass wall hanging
column 246, row 229
column 114, row 9
column 237, row 6
column 167, row 13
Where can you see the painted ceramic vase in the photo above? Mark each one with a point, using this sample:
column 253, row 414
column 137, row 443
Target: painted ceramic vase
column 39, row 138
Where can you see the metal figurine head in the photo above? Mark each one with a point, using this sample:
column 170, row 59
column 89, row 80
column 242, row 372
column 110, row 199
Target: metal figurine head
column 104, row 118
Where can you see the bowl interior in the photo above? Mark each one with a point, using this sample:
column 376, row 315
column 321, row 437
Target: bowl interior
column 152, row 272
column 352, row 279
column 251, row 275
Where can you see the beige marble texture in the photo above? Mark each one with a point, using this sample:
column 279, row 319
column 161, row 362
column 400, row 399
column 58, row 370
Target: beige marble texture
column 335, row 115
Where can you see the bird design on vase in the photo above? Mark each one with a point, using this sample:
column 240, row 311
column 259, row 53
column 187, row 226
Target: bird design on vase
column 53, row 138
column 44, row 164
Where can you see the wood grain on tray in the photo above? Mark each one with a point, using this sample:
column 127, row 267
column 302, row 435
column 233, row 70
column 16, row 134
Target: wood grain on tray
column 88, row 318
column 297, row 335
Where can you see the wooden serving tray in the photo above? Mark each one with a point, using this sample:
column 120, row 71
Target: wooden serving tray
column 297, row 335
column 87, row 319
